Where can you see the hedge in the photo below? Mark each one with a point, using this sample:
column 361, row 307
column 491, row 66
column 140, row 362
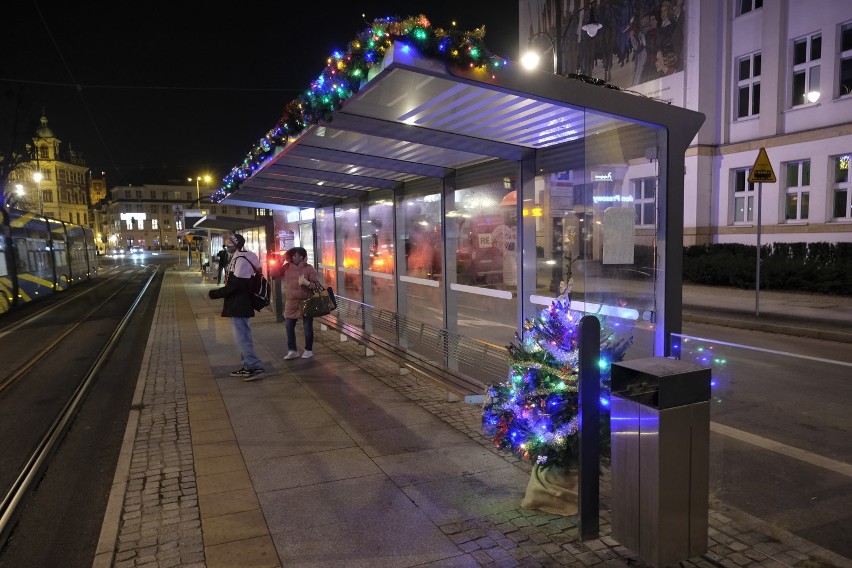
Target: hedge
column 824, row 268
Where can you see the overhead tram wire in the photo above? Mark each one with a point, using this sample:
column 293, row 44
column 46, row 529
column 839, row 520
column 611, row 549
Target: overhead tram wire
column 79, row 88
column 76, row 85
column 149, row 87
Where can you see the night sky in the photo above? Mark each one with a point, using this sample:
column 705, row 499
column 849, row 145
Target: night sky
column 155, row 92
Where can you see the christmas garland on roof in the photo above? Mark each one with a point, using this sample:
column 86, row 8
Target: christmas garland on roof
column 345, row 73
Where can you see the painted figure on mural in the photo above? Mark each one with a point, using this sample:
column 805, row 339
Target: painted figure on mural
column 632, row 31
column 665, row 61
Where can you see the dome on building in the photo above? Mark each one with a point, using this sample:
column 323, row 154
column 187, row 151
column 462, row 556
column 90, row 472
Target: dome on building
column 44, row 131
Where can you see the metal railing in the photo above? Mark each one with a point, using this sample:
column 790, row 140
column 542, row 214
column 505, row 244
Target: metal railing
column 474, row 361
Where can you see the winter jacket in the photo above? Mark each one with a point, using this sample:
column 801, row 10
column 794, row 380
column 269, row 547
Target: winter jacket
column 237, row 290
column 294, row 293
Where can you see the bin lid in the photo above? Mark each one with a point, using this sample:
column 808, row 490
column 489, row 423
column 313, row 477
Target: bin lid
column 661, row 382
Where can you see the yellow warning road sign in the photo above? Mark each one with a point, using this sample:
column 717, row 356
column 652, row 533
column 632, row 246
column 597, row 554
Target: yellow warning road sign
column 762, row 170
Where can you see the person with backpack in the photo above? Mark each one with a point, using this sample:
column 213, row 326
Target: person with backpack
column 300, row 278
column 238, row 293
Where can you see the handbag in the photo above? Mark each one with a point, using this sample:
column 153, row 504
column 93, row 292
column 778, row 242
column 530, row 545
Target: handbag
column 321, row 302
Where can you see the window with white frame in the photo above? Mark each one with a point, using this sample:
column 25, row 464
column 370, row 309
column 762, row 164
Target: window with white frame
column 798, row 184
column 155, row 224
column 645, row 200
column 842, row 188
column 743, row 195
column 746, row 6
column 806, row 55
column 845, row 60
column 748, row 85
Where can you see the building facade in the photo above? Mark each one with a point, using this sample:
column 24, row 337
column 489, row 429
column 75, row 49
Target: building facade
column 773, row 74
column 160, row 217
column 97, row 197
column 55, row 181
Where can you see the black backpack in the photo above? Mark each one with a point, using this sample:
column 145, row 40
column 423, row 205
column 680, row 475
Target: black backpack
column 261, row 289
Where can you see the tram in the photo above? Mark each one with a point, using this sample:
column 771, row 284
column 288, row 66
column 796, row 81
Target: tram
column 41, row 256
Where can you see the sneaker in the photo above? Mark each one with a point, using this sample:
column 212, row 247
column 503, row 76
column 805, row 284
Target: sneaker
column 291, row 355
column 252, row 374
column 240, row 372
column 307, row 354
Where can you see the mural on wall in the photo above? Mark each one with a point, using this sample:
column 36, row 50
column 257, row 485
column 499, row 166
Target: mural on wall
column 637, row 44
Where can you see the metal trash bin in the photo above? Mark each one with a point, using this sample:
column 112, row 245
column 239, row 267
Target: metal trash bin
column 660, row 471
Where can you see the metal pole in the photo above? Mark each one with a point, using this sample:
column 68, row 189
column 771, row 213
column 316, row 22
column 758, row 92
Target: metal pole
column 588, row 476
column 557, row 44
column 757, row 270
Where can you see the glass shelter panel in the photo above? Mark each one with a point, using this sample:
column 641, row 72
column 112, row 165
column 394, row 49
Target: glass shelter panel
column 377, row 246
column 347, row 224
column 598, row 232
column 421, row 294
column 326, row 253
column 482, row 231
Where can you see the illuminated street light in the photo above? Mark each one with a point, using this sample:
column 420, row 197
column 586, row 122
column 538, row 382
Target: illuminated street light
column 37, row 177
column 531, row 58
column 198, row 179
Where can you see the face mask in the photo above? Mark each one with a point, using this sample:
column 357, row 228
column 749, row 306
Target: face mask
column 231, row 249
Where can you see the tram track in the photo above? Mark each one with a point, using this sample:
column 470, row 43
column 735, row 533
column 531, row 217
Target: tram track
column 15, row 495
column 41, row 354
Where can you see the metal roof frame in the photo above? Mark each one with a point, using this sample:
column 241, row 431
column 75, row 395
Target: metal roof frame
column 417, row 117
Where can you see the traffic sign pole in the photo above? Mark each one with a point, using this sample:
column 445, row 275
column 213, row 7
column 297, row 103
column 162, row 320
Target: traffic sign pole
column 757, row 270
column 761, row 171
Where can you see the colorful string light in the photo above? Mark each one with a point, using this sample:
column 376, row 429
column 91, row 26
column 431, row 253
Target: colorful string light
column 535, row 413
column 343, row 76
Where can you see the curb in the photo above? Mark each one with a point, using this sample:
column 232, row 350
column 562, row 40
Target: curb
column 799, row 328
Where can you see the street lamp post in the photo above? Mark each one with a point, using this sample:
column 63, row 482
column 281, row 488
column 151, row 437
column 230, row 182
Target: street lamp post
column 198, row 179
column 530, row 59
column 19, row 192
column 37, row 177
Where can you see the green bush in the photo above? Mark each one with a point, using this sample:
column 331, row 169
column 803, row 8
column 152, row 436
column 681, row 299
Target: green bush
column 801, row 267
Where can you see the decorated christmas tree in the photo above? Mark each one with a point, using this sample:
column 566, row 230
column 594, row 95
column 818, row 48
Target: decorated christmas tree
column 534, row 414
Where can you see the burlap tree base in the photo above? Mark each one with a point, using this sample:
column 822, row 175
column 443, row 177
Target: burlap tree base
column 552, row 490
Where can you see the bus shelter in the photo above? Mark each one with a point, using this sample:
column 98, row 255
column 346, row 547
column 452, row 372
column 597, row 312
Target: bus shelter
column 446, row 205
